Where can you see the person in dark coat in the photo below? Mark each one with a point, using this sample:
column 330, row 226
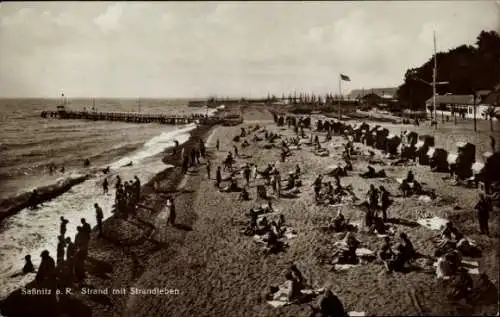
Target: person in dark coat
column 118, row 181
column 492, row 144
column 33, row 201
column 483, row 208
column 330, row 305
column 218, row 177
column 217, row 144
column 79, row 263
column 86, row 227
column 137, row 189
column 384, row 201
column 62, row 226
column 193, row 157
column 105, row 186
column 28, row 265
column 209, row 167
column 99, row 216
column 60, row 251
column 47, row 270
column 70, row 256
column 185, row 164
column 172, row 216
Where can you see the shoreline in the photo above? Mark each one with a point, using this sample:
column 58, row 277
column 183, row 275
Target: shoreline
column 168, row 180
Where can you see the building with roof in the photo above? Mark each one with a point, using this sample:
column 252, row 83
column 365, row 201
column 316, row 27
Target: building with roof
column 387, row 93
column 449, row 104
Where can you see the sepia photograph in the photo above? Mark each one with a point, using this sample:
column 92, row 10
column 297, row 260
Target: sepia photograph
column 249, row 158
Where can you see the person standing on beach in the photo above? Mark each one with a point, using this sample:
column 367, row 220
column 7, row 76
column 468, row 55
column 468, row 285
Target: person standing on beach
column 172, row 215
column 99, row 216
column 86, row 227
column 28, row 265
column 217, row 144
column 209, row 166
column 70, row 257
column 33, row 201
column 246, row 174
column 118, row 181
column 202, row 149
column 62, row 226
column 253, row 172
column 185, row 164
column 492, row 143
column 483, row 208
column 218, row 177
column 105, row 186
column 193, row 157
column 198, row 155
column 46, row 272
column 278, row 184
column 137, row 189
column 60, row 251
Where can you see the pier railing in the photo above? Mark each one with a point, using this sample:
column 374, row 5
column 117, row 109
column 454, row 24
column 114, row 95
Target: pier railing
column 132, row 117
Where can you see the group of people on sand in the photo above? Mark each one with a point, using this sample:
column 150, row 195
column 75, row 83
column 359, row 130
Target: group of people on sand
column 127, row 196
column 69, row 266
column 396, row 258
column 193, row 158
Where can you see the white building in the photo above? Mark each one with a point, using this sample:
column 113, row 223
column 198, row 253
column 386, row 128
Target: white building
column 447, row 105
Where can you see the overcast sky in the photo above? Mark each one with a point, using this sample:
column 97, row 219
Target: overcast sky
column 196, row 49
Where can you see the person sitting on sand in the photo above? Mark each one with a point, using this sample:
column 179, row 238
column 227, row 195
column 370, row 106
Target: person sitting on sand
column 281, row 221
column 370, row 173
column 461, row 285
column 405, row 188
column 329, row 305
column 276, row 229
column 252, row 226
column 297, row 170
column 290, row 184
column 339, row 222
column 405, row 253
column 385, row 254
column 271, row 239
column 318, row 182
column 347, row 250
column 410, row 177
column 264, row 225
column 297, row 275
column 290, row 290
column 244, row 195
column 377, row 225
column 28, row 265
column 449, row 232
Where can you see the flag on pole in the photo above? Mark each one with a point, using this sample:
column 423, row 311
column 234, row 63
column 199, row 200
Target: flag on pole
column 344, row 77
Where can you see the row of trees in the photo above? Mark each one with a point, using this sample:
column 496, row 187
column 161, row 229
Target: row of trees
column 466, row 68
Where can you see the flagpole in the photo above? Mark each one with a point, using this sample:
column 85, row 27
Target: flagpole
column 340, row 92
column 434, row 75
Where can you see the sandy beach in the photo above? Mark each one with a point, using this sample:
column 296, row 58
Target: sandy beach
column 209, row 268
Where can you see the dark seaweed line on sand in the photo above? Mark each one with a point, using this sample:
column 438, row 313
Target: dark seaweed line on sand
column 173, row 176
column 11, row 206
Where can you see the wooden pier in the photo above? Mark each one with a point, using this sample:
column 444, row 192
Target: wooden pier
column 132, row 117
